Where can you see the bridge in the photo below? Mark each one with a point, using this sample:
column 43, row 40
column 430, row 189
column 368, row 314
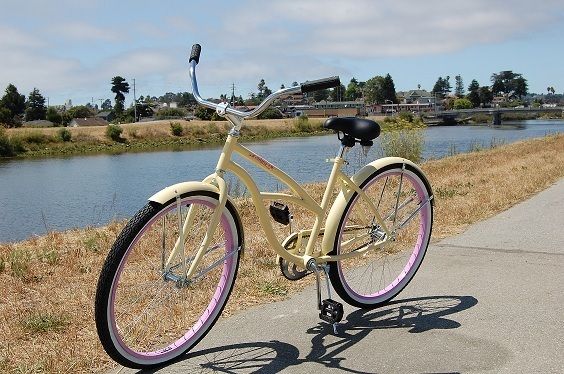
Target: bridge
column 449, row 116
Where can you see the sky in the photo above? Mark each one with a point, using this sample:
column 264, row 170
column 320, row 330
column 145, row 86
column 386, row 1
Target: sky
column 72, row 49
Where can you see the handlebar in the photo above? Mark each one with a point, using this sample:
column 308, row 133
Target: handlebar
column 309, row 86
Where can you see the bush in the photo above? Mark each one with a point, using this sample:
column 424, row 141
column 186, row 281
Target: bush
column 403, row 139
column 65, row 135
column 301, row 124
column 167, row 113
column 271, row 113
column 406, row 116
column 462, row 104
column 6, row 146
column 114, row 132
column 205, row 114
column 176, row 129
column 36, row 137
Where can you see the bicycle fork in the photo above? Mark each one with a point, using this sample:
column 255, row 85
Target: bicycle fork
column 330, row 310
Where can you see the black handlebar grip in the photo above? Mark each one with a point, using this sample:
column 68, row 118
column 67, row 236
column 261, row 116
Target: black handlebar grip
column 195, row 54
column 320, row 84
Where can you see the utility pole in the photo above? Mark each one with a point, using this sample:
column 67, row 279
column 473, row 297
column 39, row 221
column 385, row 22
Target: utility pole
column 134, row 102
column 232, row 94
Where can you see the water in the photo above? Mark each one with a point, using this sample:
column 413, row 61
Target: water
column 61, row 193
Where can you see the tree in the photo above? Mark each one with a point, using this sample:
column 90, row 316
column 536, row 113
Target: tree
column 263, row 89
column 107, row 104
column 473, row 93
column 442, row 86
column 119, row 87
column 520, row 87
column 36, row 109
column 389, row 89
column 374, row 90
column 353, row 90
column 320, row 95
column 462, row 104
column 509, row 84
column 14, row 103
column 337, row 93
column 54, row 116
column 486, row 95
column 80, row 111
column 458, row 86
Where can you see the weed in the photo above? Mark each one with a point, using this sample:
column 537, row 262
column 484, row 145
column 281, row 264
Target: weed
column 403, row 140
column 92, row 243
column 43, row 322
column 10, row 146
column 2, row 264
column 212, row 128
column 301, row 124
column 64, row 134
column 274, row 288
column 176, row 129
column 114, row 132
column 19, row 262
column 50, row 256
column 132, row 133
column 36, row 137
column 443, row 192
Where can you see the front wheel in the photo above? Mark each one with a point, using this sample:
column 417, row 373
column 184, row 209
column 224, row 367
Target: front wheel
column 148, row 313
column 402, row 198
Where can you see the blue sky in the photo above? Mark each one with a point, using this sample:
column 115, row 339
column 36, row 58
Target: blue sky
column 72, row 49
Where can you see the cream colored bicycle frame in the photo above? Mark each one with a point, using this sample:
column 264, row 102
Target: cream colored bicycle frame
column 298, row 196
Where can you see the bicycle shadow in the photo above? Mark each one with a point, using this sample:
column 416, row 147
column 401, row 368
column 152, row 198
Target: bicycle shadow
column 416, row 314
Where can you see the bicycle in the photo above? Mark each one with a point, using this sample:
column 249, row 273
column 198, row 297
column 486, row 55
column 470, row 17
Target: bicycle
column 171, row 270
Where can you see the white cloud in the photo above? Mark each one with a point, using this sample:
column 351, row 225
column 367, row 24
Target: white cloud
column 280, row 41
column 85, row 32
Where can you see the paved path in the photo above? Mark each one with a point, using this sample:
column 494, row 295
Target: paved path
column 488, row 300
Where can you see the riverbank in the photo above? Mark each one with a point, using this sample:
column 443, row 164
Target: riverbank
column 146, row 136
column 46, row 313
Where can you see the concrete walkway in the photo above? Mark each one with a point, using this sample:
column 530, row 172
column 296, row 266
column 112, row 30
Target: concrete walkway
column 488, row 300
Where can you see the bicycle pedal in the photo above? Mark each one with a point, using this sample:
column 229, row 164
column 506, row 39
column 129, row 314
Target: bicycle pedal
column 331, row 311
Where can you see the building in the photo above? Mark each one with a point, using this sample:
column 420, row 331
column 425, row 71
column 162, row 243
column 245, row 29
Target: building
column 82, row 122
column 107, row 115
column 332, row 109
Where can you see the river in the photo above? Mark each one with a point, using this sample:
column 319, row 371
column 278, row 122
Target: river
column 61, row 193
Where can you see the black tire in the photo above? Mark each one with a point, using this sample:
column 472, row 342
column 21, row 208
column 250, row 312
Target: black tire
column 133, row 271
column 374, row 278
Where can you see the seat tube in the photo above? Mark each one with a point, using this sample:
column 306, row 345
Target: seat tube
column 337, row 164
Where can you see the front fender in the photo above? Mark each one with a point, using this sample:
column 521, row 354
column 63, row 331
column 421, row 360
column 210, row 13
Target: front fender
column 179, row 189
column 171, row 192
column 342, row 199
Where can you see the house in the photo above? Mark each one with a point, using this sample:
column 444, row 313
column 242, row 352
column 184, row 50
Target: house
column 38, row 123
column 333, row 109
column 107, row 115
column 82, row 122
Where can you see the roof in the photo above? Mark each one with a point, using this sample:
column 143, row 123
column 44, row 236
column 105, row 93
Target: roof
column 88, row 122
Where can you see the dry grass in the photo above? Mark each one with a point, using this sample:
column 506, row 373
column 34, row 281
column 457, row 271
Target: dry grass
column 48, row 283
column 153, row 129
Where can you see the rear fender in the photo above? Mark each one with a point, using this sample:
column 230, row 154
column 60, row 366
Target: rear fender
column 338, row 208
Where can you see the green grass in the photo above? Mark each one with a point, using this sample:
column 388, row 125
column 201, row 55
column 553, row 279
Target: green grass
column 43, row 322
column 276, row 288
column 19, row 262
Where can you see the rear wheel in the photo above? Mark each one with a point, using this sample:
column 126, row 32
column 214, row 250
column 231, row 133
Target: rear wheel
column 146, row 315
column 403, row 200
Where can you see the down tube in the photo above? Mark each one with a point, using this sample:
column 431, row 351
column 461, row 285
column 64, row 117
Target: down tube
column 262, row 214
